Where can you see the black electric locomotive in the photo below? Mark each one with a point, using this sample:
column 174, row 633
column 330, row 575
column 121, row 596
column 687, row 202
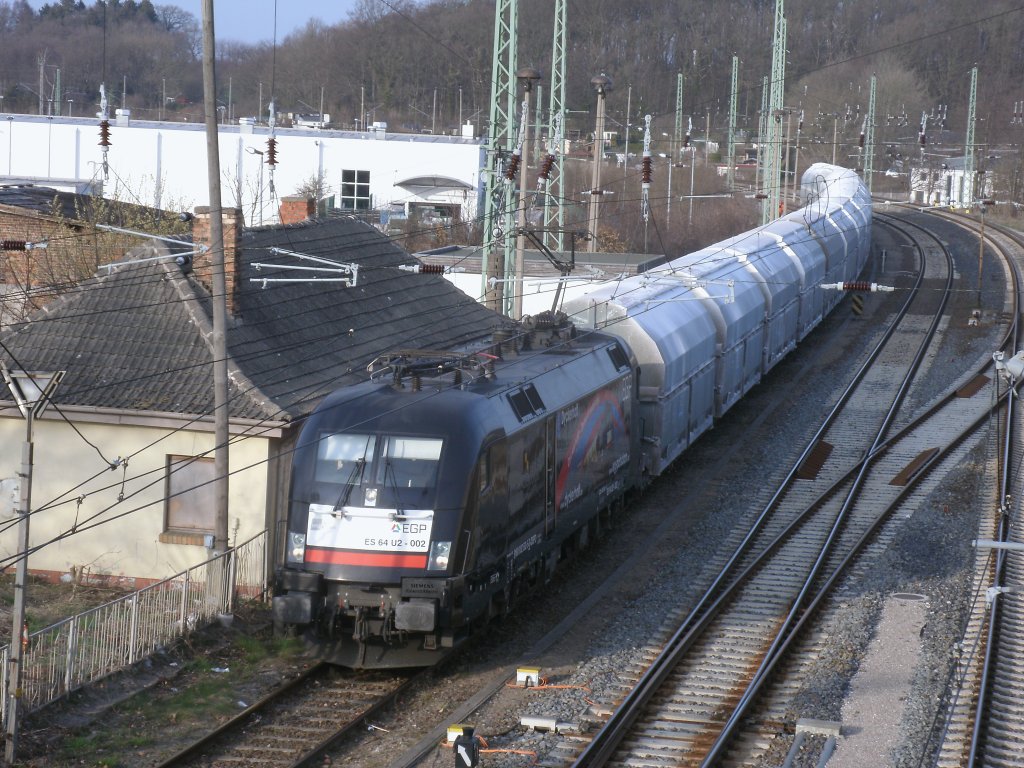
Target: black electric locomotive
column 425, row 500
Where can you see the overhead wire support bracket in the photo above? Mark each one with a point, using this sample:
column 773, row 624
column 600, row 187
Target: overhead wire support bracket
column 336, row 268
column 195, row 247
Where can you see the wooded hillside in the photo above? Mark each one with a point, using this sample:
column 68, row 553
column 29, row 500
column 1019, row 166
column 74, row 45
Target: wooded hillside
column 390, row 59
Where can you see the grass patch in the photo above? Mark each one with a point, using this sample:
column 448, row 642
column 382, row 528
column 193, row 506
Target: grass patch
column 102, row 749
column 218, row 673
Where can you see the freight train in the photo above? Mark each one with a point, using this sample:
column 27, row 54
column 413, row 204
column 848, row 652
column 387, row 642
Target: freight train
column 427, row 499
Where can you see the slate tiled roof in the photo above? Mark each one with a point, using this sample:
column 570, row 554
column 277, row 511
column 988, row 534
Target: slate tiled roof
column 73, row 206
column 138, row 338
column 300, row 341
column 127, row 340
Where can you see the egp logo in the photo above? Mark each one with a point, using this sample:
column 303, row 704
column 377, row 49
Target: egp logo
column 409, row 527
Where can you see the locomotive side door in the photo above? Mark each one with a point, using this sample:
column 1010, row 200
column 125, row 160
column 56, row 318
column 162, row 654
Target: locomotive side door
column 550, row 451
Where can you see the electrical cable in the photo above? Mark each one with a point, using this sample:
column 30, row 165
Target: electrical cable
column 79, row 528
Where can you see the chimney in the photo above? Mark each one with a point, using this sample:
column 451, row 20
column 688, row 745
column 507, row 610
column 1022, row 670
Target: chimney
column 296, row 208
column 202, row 264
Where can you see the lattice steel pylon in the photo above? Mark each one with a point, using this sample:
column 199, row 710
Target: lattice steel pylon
column 967, row 184
column 677, row 136
column 498, row 208
column 869, row 137
column 773, row 120
column 730, row 168
column 554, row 211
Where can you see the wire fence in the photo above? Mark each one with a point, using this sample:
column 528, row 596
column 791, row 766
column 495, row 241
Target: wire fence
column 101, row 641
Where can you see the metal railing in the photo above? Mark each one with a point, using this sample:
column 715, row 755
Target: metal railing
column 101, row 641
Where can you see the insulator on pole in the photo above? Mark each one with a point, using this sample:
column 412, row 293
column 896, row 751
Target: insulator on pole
column 646, row 166
column 271, row 151
column 20, row 245
column 860, row 286
column 545, row 170
column 104, row 133
column 428, row 269
column 513, row 166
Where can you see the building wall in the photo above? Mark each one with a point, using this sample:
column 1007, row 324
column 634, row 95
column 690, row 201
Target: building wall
column 68, row 258
column 126, row 542
column 164, row 164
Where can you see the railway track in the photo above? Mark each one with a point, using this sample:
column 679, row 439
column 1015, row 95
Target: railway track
column 984, row 718
column 705, row 680
column 908, row 438
column 296, row 724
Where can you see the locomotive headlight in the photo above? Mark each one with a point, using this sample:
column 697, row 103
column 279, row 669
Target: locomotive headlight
column 439, row 551
column 296, row 547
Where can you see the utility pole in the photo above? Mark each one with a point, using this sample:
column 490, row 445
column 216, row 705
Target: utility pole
column 538, row 116
column 42, row 80
column 677, row 142
column 527, row 76
column 602, row 84
column 762, row 132
column 32, row 392
column 785, row 162
column 835, row 135
column 219, row 292
column 625, row 152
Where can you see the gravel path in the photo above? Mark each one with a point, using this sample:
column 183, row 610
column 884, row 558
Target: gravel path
column 874, row 706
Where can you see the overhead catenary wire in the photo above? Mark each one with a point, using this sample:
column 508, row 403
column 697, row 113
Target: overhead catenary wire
column 79, row 527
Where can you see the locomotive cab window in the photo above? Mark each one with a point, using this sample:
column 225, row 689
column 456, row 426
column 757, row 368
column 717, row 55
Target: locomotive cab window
column 344, row 459
column 409, row 462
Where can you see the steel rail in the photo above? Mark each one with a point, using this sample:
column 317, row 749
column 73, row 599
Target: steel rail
column 251, row 714
column 990, row 658
column 609, row 736
column 1003, row 535
column 797, row 613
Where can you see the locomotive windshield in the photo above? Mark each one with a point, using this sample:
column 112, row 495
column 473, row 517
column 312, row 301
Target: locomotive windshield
column 343, row 458
column 389, row 470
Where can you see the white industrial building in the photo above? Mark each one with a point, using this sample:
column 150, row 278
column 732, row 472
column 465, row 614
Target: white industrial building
column 163, row 164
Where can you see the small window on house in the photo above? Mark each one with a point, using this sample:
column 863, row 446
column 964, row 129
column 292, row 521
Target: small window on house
column 190, row 510
column 355, row 190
